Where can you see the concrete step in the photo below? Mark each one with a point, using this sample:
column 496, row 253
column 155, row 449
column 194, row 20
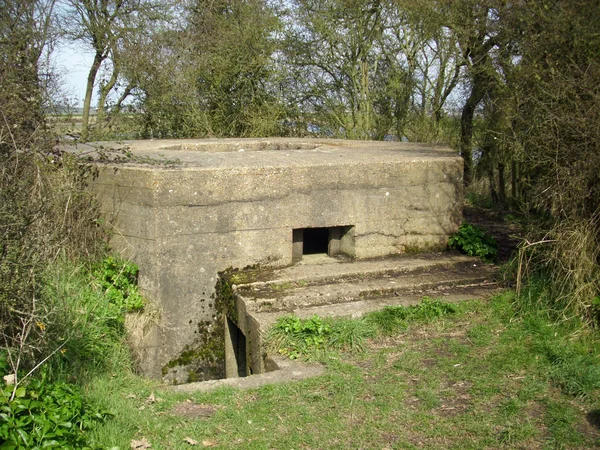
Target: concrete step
column 305, row 286
column 331, row 288
column 321, row 268
column 263, row 320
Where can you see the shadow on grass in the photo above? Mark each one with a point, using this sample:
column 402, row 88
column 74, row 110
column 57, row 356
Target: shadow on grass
column 593, row 418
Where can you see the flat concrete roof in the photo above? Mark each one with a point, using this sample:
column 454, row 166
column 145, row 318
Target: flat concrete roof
column 264, row 152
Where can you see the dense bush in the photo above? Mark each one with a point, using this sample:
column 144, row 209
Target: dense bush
column 45, row 214
column 560, row 270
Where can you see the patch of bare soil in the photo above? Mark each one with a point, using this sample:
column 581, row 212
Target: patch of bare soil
column 456, row 399
column 593, row 418
column 591, row 425
column 191, row 410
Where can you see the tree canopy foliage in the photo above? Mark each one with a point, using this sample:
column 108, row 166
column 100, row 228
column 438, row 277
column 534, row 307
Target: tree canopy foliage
column 512, row 86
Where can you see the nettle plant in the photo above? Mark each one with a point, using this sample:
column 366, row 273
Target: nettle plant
column 474, row 241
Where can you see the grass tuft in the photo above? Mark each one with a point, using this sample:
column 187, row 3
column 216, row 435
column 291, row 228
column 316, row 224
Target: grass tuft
column 313, row 338
column 89, row 327
column 392, row 319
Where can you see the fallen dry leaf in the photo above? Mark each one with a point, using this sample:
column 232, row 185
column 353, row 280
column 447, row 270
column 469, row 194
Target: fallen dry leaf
column 151, row 398
column 9, row 379
column 141, row 444
column 191, row 441
column 209, row 443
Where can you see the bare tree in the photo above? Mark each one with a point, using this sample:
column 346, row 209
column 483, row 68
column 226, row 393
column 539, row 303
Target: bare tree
column 103, row 25
column 367, row 68
column 25, row 28
column 478, row 28
column 332, row 46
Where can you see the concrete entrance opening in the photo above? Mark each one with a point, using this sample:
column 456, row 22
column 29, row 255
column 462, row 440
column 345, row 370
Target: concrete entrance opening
column 332, row 241
column 235, row 351
column 316, row 240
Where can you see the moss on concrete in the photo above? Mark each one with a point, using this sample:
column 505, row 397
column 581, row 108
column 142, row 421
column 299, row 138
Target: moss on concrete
column 247, row 275
column 225, row 299
column 204, row 358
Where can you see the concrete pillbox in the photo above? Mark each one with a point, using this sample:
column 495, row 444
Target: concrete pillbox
column 184, row 210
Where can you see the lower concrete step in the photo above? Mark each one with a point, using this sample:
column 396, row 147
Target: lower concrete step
column 359, row 307
column 331, row 288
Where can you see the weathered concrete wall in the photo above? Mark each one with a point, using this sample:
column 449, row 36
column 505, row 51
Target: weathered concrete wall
column 234, row 203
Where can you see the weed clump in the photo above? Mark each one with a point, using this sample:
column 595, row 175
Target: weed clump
column 118, row 280
column 474, row 241
column 293, row 336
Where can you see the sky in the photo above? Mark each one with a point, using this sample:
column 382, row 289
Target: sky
column 73, row 63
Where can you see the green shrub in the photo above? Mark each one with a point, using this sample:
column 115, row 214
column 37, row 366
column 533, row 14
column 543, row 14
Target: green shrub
column 118, row 279
column 474, row 241
column 41, row 414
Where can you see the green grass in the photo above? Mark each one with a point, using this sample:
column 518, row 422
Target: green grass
column 85, row 322
column 480, row 377
column 316, row 338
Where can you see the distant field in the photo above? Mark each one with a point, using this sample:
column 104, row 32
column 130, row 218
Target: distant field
column 125, row 126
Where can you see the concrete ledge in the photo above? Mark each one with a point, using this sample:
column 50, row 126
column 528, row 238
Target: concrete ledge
column 287, row 371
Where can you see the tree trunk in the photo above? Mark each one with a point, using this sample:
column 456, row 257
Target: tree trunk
column 104, row 91
column 466, row 134
column 89, row 90
column 492, row 182
column 501, row 186
column 514, row 180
